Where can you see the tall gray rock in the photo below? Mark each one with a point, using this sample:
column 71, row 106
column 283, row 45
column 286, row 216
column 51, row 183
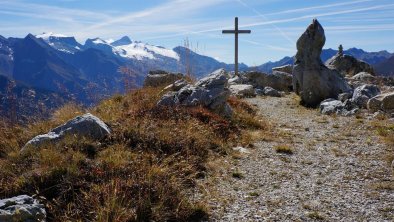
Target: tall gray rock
column 312, row 80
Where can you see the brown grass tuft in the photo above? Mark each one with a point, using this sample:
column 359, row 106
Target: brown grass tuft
column 141, row 172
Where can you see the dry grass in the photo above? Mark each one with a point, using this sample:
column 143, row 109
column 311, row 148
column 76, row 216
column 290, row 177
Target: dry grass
column 386, row 132
column 142, row 172
column 284, row 148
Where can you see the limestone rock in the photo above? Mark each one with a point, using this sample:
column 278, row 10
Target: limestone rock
column 87, row 126
column 312, row 80
column 278, row 80
column 383, row 102
column 161, row 78
column 177, row 85
column 21, row 208
column 210, row 92
column 363, row 93
column 345, row 96
column 269, row 91
column 332, row 106
column 285, row 68
column 242, row 90
column 348, row 65
column 363, row 76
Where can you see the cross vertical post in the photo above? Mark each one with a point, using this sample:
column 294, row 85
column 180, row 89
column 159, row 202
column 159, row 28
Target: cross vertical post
column 236, row 31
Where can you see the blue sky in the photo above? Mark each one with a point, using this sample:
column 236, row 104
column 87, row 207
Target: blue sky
column 275, row 24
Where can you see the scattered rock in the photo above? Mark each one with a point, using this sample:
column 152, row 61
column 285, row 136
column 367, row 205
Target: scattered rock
column 312, row 80
column 364, row 77
column 345, row 96
column 87, row 125
column 379, row 115
column 285, row 68
column 332, row 106
column 363, row 93
column 383, row 102
column 236, row 80
column 210, row 92
column 241, row 150
column 269, row 91
column 21, row 208
column 348, row 65
column 278, row 80
column 161, row 78
column 242, row 90
column 177, row 85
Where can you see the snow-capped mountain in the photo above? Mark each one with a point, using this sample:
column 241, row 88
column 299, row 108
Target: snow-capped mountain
column 61, row 42
column 123, row 47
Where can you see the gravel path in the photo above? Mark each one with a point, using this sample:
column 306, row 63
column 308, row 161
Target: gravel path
column 337, row 171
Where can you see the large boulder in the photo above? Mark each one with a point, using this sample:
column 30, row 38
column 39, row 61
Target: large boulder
column 383, row 102
column 242, row 90
column 21, row 208
column 363, row 93
column 87, row 126
column 285, row 68
column 312, row 80
column 210, row 92
column 161, row 78
column 281, row 81
column 348, row 65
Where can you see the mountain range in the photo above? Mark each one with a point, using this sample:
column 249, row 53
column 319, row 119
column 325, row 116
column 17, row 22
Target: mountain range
column 58, row 66
column 374, row 58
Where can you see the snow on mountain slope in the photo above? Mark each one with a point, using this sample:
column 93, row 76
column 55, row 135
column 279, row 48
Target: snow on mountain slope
column 123, row 47
column 61, row 42
column 135, row 50
column 139, row 51
column 47, row 35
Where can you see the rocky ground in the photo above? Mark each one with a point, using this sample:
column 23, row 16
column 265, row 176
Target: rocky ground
column 315, row 167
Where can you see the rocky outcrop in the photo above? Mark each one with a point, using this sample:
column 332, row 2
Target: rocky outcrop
column 384, row 102
column 87, row 126
column 363, row 93
column 285, row 68
column 210, row 92
column 242, row 90
column 348, row 65
column 21, row 208
column 312, row 80
column 161, row 78
column 281, row 81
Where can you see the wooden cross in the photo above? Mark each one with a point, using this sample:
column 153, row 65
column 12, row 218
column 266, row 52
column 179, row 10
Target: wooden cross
column 236, row 31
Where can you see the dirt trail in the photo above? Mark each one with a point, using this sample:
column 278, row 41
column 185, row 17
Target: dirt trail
column 336, row 173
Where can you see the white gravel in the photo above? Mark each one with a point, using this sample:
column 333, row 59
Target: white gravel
column 332, row 175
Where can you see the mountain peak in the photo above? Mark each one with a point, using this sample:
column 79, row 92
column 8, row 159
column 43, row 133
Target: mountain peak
column 47, row 35
column 125, row 40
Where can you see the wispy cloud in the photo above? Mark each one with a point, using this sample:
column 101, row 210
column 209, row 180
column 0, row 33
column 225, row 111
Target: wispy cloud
column 319, row 7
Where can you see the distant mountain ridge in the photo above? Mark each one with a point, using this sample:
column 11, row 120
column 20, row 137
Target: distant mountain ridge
column 372, row 58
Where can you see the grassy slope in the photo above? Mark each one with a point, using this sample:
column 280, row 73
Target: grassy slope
column 142, row 172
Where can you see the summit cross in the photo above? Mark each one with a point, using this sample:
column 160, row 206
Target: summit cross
column 236, row 31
